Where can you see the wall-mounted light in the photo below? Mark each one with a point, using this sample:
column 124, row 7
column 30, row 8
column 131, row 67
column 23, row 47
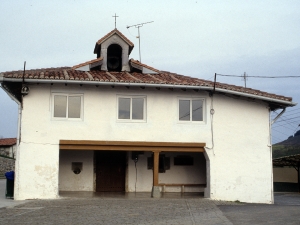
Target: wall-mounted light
column 77, row 167
column 25, row 90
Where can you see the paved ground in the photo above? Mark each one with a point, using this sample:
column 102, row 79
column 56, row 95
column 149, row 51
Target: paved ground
column 6, row 202
column 173, row 208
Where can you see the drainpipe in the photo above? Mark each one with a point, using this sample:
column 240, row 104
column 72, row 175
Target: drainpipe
column 271, row 160
column 18, row 136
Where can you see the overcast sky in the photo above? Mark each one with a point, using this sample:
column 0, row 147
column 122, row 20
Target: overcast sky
column 194, row 38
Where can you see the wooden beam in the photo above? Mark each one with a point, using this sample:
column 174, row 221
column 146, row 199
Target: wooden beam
column 131, row 146
column 136, row 143
column 155, row 168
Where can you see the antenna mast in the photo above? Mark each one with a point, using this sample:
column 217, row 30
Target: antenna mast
column 245, row 79
column 139, row 37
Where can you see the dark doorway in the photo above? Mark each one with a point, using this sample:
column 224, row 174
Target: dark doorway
column 110, row 171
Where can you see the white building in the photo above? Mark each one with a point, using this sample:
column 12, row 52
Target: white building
column 8, row 147
column 114, row 124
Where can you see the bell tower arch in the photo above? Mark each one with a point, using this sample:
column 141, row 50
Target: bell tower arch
column 114, row 57
column 114, row 48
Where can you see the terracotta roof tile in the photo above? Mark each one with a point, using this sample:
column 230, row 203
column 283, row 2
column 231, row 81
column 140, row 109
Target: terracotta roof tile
column 134, row 77
column 8, row 141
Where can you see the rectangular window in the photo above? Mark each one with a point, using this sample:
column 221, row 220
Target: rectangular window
column 131, row 108
column 183, row 160
column 67, row 106
column 191, row 109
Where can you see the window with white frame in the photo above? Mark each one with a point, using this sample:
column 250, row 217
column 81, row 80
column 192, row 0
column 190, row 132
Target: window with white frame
column 67, row 106
column 131, row 108
column 191, row 109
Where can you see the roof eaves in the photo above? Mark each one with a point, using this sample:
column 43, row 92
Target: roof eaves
column 283, row 102
column 87, row 63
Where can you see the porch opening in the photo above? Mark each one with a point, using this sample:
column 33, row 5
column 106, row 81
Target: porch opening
column 112, row 166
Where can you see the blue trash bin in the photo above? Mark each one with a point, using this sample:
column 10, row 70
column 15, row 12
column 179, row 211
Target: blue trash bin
column 10, row 182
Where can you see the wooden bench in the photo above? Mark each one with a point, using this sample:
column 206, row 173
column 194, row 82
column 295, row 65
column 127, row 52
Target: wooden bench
column 180, row 185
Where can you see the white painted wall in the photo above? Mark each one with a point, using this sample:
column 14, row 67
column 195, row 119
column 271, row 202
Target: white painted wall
column 240, row 162
column 68, row 180
column 195, row 174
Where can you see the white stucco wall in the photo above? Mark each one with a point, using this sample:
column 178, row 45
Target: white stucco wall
column 68, row 180
column 195, row 174
column 240, row 162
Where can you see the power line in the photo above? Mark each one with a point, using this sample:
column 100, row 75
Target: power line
column 288, row 119
column 288, row 111
column 283, row 125
column 228, row 75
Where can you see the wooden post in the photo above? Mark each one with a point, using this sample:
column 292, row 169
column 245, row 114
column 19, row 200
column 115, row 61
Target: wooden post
column 155, row 168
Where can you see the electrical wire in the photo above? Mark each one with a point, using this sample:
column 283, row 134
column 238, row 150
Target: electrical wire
column 287, row 120
column 135, row 175
column 227, row 75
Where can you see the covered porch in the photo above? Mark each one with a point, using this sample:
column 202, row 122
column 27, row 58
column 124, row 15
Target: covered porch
column 153, row 155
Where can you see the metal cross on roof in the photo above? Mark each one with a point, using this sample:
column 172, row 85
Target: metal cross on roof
column 115, row 20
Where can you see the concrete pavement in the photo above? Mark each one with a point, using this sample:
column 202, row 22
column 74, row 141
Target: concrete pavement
column 140, row 208
column 4, row 202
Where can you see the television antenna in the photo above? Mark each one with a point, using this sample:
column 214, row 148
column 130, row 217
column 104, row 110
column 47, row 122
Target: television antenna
column 139, row 36
column 245, row 78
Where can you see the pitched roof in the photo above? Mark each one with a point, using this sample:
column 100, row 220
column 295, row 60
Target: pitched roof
column 160, row 79
column 115, row 31
column 8, row 141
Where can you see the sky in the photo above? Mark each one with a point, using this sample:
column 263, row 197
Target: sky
column 194, row 38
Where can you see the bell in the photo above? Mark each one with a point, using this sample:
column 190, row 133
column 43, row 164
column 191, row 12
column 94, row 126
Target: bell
column 113, row 63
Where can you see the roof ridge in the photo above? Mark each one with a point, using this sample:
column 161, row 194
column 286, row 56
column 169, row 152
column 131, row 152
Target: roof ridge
column 144, row 65
column 86, row 63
